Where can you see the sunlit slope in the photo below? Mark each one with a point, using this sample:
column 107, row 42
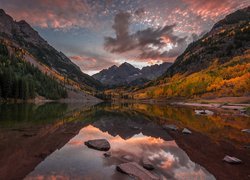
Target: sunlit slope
column 216, row 65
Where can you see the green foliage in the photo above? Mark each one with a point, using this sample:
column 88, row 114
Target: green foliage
column 21, row 80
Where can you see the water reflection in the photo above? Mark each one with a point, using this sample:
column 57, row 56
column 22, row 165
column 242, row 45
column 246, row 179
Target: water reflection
column 220, row 126
column 76, row 161
column 30, row 133
column 22, row 114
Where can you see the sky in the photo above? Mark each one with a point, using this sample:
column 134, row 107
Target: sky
column 96, row 34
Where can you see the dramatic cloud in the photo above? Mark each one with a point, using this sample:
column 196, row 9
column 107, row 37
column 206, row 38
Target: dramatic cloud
column 212, row 9
column 143, row 31
column 151, row 43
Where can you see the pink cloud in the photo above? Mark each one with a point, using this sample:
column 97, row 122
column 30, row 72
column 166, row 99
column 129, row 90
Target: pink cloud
column 214, row 9
column 57, row 14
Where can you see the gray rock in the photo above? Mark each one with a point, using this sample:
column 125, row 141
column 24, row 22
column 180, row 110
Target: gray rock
column 232, row 160
column 246, row 130
column 204, row 112
column 170, row 127
column 98, row 144
column 134, row 169
column 147, row 164
column 186, row 131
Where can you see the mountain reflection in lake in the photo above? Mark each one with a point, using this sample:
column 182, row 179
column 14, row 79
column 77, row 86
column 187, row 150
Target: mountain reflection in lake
column 47, row 141
column 76, row 161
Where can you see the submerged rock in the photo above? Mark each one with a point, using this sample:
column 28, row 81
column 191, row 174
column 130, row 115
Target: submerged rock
column 170, row 127
column 232, row 160
column 246, row 130
column 107, row 154
column 147, row 164
column 247, row 146
column 134, row 169
column 98, row 144
column 186, row 131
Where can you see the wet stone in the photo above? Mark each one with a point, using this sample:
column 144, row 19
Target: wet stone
column 246, row 130
column 134, row 169
column 98, row 144
column 232, row 160
column 186, row 131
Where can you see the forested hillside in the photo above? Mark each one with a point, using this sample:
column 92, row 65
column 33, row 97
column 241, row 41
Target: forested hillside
column 216, row 65
column 24, row 36
column 21, row 80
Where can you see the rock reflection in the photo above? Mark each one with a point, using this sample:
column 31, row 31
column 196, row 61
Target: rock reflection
column 76, row 161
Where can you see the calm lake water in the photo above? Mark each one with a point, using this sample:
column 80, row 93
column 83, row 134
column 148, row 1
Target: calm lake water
column 47, row 141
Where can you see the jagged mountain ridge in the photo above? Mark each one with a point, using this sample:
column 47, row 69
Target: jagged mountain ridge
column 22, row 34
column 126, row 74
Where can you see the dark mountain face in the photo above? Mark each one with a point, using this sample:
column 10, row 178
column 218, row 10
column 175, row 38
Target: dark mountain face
column 155, row 71
column 27, row 38
column 126, row 74
column 228, row 38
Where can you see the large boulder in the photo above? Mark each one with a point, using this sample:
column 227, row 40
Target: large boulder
column 134, row 169
column 98, row 144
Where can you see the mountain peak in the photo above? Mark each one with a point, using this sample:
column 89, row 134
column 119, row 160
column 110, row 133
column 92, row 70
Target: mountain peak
column 27, row 38
column 126, row 64
column 4, row 15
column 23, row 23
column 127, row 73
column 113, row 67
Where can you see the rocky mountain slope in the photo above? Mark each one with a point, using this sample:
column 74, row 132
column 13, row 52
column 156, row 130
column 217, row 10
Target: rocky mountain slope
column 216, row 65
column 228, row 38
column 24, row 36
column 126, row 74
